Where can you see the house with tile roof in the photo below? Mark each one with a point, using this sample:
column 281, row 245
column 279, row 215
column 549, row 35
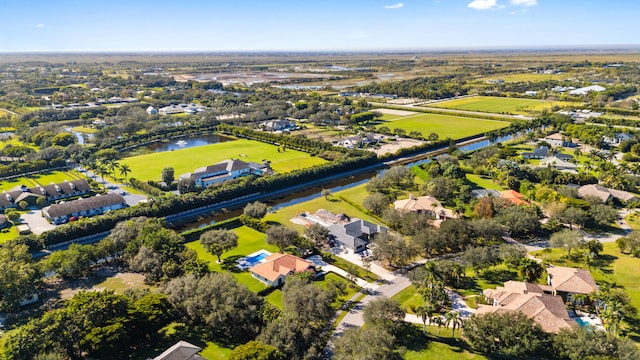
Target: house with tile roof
column 277, row 267
column 533, row 300
column 567, row 282
column 514, row 197
column 606, row 194
column 559, row 140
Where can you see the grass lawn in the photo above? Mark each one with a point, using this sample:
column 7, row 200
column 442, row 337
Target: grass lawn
column 408, row 298
column 84, row 129
column 41, row 179
column 149, row 166
column 214, row 351
column 249, row 241
column 483, row 182
column 455, row 127
column 8, row 234
column 500, row 104
column 436, row 344
column 122, row 282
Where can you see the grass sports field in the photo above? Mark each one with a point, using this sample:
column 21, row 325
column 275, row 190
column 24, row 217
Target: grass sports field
column 41, row 179
column 455, row 127
column 499, row 104
column 149, row 167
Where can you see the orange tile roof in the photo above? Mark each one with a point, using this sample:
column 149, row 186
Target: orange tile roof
column 514, row 196
column 280, row 264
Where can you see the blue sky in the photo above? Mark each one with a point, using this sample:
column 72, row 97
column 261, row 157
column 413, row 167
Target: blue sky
column 216, row 25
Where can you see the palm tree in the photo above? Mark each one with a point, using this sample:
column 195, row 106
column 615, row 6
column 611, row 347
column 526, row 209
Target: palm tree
column 530, row 270
column 611, row 317
column 457, row 271
column 425, row 312
column 101, row 170
column 453, row 319
column 124, row 170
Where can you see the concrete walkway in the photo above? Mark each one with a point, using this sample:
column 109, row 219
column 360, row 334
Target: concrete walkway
column 326, row 267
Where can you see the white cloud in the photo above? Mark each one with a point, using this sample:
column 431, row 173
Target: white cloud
column 38, row 26
column 358, row 34
column 483, row 4
column 525, row 3
column 395, row 6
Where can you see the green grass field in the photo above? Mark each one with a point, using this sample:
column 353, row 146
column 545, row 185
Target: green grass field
column 500, row 105
column 481, row 182
column 7, row 234
column 438, row 344
column 408, row 298
column 41, row 179
column 455, row 127
column 149, row 167
column 85, row 129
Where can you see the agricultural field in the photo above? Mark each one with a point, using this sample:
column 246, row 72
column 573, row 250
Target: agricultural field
column 41, row 179
column 455, row 127
column 529, row 77
column 149, row 166
column 500, row 105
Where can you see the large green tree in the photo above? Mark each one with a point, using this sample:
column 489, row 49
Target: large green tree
column 17, row 275
column 219, row 241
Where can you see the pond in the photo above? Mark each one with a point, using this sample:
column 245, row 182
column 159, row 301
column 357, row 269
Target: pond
column 185, row 143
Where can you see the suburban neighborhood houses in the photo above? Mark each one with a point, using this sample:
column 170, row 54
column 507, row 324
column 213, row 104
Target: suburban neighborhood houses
column 83, row 207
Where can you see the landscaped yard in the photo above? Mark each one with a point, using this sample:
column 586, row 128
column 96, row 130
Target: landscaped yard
column 612, row 267
column 333, row 204
column 149, row 166
column 446, row 126
column 500, row 104
column 41, row 179
column 7, row 234
column 483, row 182
column 408, row 298
column 249, row 241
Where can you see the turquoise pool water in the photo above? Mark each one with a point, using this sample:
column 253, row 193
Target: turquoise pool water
column 255, row 259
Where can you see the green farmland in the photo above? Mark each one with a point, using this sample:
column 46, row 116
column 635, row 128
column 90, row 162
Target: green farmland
column 500, row 105
column 455, row 127
column 149, row 167
column 528, row 77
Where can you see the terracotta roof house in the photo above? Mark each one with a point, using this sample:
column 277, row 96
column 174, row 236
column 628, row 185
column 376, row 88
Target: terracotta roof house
column 182, row 350
column 514, row 197
column 567, row 282
column 224, row 171
column 51, row 193
column 424, row 204
column 356, row 234
column 533, row 300
column 97, row 205
column 606, row 194
column 278, row 266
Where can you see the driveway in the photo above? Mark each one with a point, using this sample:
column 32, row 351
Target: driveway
column 36, row 221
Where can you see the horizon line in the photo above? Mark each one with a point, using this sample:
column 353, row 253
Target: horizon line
column 339, row 50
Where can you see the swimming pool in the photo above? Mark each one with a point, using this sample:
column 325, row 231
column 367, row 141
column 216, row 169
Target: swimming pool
column 585, row 321
column 253, row 259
